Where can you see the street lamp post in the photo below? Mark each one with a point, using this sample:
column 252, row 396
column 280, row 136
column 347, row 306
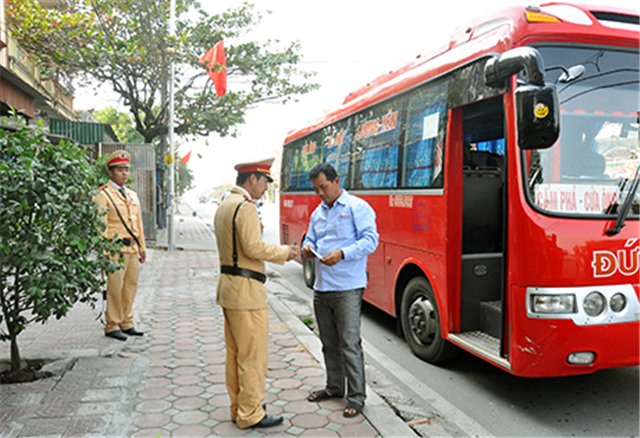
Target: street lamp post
column 171, row 166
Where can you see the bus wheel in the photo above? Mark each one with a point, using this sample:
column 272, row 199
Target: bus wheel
column 421, row 322
column 308, row 271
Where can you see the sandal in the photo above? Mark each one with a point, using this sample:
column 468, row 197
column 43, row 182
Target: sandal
column 320, row 395
column 352, row 409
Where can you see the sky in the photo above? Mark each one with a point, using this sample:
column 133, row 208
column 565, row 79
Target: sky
column 347, row 43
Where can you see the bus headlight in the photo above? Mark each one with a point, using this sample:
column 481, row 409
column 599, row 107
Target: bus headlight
column 553, row 303
column 584, row 305
column 594, row 304
column 618, row 302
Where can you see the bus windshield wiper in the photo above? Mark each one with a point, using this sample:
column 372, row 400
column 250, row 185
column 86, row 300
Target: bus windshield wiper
column 626, row 206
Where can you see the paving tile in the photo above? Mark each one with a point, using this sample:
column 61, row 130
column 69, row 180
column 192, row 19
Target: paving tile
column 292, row 395
column 319, row 433
column 186, row 362
column 12, row 414
column 287, row 342
column 103, row 394
column 220, row 401
column 214, row 369
column 188, row 391
column 358, row 430
column 152, row 406
column 219, row 388
column 188, row 370
column 152, row 420
column 287, row 383
column 193, row 430
column 215, row 378
column 301, row 407
column 89, row 409
column 220, row 414
column 87, row 425
column 158, row 382
column 158, row 371
column 57, row 409
column 188, row 380
column 44, row 427
column 310, row 371
column 153, row 393
column 21, row 399
column 190, row 417
column 278, row 365
column 310, row 420
column 229, row 429
column 155, row 433
column 189, row 403
column 158, row 348
column 315, row 382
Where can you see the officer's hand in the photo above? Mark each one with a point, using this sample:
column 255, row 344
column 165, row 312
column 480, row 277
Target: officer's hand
column 293, row 252
column 332, row 258
column 142, row 257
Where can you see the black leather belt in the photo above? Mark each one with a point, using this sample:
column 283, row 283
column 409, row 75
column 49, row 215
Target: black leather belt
column 247, row 273
column 126, row 242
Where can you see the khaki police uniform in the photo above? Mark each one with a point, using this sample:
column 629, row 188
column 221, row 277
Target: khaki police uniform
column 244, row 301
column 122, row 285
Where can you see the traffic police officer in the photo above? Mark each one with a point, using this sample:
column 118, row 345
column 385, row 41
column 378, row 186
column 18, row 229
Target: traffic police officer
column 123, row 216
column 242, row 295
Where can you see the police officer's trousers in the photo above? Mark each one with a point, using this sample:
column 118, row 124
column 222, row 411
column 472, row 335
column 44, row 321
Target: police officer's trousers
column 122, row 286
column 246, row 337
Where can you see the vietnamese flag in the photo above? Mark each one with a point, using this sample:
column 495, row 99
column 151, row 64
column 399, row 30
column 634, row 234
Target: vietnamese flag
column 216, row 64
column 185, row 159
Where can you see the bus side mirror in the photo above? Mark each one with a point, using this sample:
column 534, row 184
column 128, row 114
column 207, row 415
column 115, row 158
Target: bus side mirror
column 538, row 117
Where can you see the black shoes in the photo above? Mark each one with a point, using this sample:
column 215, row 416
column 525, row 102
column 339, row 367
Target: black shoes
column 120, row 334
column 116, row 334
column 269, row 421
column 132, row 332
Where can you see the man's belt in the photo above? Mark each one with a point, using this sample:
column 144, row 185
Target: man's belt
column 247, row 273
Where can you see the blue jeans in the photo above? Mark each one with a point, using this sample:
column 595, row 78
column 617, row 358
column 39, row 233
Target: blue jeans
column 338, row 317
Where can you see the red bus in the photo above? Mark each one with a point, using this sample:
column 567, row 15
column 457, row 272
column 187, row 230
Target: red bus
column 503, row 170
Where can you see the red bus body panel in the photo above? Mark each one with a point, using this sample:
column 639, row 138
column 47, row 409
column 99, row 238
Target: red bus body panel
column 422, row 232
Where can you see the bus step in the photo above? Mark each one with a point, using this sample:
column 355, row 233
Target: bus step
column 491, row 318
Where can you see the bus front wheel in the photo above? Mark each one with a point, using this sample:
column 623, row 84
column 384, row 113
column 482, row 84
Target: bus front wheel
column 308, row 271
column 421, row 322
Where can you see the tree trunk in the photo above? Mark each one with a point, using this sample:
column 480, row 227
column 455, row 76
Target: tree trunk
column 15, row 354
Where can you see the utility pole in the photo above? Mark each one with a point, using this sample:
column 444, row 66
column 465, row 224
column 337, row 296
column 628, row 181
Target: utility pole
column 171, row 167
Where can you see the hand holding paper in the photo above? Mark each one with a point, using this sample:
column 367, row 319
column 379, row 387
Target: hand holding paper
column 315, row 253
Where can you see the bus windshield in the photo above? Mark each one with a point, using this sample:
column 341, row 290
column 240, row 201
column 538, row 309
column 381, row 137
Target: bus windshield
column 589, row 171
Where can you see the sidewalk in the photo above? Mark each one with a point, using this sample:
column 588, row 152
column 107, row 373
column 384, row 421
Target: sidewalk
column 171, row 381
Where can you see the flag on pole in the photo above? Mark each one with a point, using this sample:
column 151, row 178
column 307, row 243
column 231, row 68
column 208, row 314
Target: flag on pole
column 216, row 65
column 185, row 159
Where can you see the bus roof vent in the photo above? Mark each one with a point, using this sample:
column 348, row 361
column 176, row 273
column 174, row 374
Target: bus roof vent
column 617, row 20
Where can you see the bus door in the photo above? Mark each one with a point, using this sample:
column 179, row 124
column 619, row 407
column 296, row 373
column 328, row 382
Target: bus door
column 483, row 225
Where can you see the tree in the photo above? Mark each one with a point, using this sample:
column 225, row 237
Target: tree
column 51, row 236
column 125, row 43
column 121, row 123
column 184, row 179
